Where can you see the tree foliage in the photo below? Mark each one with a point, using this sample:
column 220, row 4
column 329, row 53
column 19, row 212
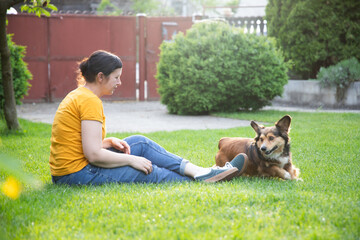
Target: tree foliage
column 21, row 74
column 149, row 7
column 38, row 7
column 158, row 7
column 315, row 34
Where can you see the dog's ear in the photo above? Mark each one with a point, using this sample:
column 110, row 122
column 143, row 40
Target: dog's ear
column 256, row 127
column 284, row 124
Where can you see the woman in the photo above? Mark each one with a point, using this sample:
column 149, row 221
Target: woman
column 81, row 155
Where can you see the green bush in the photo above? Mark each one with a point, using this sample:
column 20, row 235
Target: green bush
column 315, row 34
column 216, row 67
column 340, row 76
column 21, row 74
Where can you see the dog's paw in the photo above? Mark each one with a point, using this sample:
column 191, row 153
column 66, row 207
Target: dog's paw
column 287, row 175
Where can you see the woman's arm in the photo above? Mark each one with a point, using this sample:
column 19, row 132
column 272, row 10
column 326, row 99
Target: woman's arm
column 91, row 134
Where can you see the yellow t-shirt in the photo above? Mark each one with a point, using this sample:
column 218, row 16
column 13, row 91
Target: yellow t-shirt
column 66, row 152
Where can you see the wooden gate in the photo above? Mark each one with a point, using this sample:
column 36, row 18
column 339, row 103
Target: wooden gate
column 153, row 31
column 56, row 44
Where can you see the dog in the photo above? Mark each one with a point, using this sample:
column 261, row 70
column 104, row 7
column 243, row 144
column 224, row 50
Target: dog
column 268, row 153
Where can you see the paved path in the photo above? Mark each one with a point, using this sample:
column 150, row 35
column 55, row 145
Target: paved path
column 135, row 117
column 128, row 116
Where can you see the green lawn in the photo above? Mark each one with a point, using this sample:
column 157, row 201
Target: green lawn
column 326, row 205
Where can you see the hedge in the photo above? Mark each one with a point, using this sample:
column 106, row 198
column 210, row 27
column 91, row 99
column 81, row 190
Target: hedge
column 216, row 67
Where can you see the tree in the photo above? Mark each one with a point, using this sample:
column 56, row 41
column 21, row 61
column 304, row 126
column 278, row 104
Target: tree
column 150, row 7
column 315, row 34
column 35, row 6
column 157, row 7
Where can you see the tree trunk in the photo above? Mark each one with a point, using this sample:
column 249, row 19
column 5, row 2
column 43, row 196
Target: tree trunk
column 7, row 81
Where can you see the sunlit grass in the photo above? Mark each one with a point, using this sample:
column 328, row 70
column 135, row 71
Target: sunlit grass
column 326, row 205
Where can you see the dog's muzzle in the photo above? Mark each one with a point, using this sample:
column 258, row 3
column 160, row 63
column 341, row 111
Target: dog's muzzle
column 263, row 148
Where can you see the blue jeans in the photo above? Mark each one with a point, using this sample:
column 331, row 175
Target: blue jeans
column 166, row 167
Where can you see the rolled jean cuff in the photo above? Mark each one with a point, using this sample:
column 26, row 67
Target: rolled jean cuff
column 182, row 166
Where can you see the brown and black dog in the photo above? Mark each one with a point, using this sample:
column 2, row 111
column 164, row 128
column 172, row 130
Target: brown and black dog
column 269, row 152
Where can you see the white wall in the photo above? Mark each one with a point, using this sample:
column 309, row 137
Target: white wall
column 310, row 93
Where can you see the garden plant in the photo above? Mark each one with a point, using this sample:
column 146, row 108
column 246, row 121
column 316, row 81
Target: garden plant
column 340, row 76
column 20, row 72
column 216, row 67
column 325, row 205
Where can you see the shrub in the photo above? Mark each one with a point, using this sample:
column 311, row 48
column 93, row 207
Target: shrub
column 315, row 34
column 340, row 76
column 216, row 67
column 20, row 73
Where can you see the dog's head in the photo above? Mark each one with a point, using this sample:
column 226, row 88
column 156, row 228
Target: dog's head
column 271, row 141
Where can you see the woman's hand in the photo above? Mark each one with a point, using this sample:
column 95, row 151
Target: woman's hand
column 117, row 143
column 142, row 164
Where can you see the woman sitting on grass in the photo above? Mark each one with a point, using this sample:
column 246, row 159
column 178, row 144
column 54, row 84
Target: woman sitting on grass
column 81, row 155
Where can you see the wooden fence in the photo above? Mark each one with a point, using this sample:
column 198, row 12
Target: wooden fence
column 56, row 44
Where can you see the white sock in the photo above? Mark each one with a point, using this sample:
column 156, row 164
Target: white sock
column 193, row 170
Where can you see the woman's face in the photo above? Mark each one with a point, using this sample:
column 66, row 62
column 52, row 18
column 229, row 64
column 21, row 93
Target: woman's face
column 112, row 82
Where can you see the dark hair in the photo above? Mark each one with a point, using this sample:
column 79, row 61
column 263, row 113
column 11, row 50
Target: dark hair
column 99, row 61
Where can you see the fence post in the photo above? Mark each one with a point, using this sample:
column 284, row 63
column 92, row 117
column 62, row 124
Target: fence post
column 142, row 55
